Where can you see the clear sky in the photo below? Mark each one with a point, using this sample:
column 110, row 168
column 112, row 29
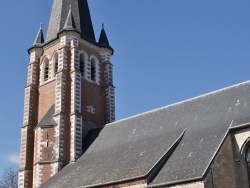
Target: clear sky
column 165, row 51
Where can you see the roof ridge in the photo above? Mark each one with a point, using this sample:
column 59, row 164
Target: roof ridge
column 154, row 171
column 181, row 102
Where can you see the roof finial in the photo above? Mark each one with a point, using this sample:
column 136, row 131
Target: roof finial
column 102, row 25
column 41, row 25
column 69, row 7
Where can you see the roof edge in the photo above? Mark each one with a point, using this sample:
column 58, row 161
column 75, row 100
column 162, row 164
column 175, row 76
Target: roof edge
column 192, row 179
column 183, row 101
column 154, row 171
column 216, row 152
column 112, row 182
column 240, row 126
column 176, row 182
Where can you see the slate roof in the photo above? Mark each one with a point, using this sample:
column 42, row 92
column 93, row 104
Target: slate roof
column 39, row 37
column 70, row 22
column 189, row 133
column 103, row 39
column 48, row 119
column 81, row 14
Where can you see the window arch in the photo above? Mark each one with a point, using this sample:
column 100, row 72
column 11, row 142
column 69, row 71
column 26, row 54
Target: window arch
column 45, row 69
column 93, row 69
column 55, row 63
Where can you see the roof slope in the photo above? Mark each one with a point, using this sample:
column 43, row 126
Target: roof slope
column 39, row 37
column 81, row 14
column 130, row 148
column 48, row 119
column 103, row 39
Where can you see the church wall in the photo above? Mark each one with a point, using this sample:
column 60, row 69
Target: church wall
column 240, row 140
column 132, row 184
column 93, row 103
column 189, row 185
column 222, row 170
column 93, row 100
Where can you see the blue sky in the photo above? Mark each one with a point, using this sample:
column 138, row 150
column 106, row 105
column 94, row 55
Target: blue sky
column 165, row 51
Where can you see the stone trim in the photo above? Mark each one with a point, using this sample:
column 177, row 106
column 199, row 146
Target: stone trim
column 29, row 121
column 110, row 89
column 75, row 109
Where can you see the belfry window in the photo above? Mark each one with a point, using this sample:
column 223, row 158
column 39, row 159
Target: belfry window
column 82, row 65
column 93, row 70
column 248, row 162
column 46, row 70
column 55, row 63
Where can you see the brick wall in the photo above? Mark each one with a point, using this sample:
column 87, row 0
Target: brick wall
column 46, row 94
column 141, row 183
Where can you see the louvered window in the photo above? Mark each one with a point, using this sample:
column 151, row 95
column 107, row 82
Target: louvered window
column 56, row 62
column 82, row 65
column 93, row 70
column 46, row 71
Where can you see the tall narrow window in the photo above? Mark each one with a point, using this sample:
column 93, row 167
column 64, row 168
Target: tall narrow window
column 82, row 65
column 46, row 69
column 248, row 162
column 55, row 63
column 93, row 70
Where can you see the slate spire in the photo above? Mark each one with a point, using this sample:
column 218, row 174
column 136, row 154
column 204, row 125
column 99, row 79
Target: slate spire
column 80, row 13
column 39, row 37
column 103, row 39
column 70, row 22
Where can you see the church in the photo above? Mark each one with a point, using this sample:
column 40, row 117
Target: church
column 70, row 139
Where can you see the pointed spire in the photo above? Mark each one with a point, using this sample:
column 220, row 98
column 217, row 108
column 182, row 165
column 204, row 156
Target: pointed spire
column 103, row 40
column 70, row 22
column 39, row 38
column 81, row 14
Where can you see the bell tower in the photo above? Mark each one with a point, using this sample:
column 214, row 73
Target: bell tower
column 69, row 91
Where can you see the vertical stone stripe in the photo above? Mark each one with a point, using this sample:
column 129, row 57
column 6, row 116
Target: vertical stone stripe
column 77, row 96
column 50, row 70
column 88, row 71
column 26, row 105
column 60, row 94
column 29, row 77
column 75, row 119
column 110, row 91
column 72, row 107
column 60, row 80
column 110, row 102
column 23, row 147
column 72, row 140
column 21, row 179
column 29, row 122
column 98, row 73
column 78, row 136
column 37, row 176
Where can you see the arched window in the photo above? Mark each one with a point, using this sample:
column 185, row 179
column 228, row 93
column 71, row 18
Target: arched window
column 55, row 62
column 82, row 65
column 46, row 69
column 248, row 161
column 93, row 70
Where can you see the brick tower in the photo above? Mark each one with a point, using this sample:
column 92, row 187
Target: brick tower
column 69, row 91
